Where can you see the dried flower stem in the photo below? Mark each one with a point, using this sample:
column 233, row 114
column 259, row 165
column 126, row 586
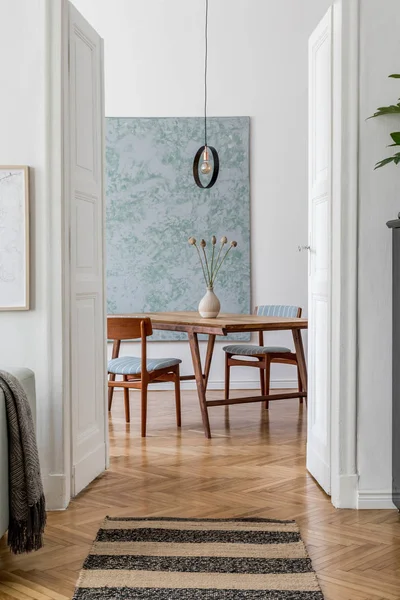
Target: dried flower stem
column 220, row 265
column 212, row 260
column 216, row 264
column 208, row 270
column 211, row 269
column 201, row 262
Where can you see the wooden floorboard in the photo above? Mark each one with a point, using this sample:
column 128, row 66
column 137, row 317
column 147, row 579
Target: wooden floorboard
column 253, row 466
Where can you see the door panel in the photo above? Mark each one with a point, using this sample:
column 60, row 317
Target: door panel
column 87, row 258
column 88, row 371
column 320, row 199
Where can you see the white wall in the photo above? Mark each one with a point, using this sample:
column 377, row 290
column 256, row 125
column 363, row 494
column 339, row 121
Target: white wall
column 257, row 67
column 22, row 142
column 379, row 202
column 26, row 338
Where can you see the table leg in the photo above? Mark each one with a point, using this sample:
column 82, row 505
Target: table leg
column 301, row 359
column 209, row 355
column 200, row 381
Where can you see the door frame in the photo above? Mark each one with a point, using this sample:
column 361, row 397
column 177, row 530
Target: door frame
column 344, row 475
column 344, row 483
column 57, row 481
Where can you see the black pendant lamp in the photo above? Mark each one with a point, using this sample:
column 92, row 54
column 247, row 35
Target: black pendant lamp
column 202, row 163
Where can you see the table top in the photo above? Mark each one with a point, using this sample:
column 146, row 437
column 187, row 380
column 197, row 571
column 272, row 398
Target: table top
column 225, row 322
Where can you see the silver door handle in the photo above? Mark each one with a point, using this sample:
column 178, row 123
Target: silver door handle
column 301, row 248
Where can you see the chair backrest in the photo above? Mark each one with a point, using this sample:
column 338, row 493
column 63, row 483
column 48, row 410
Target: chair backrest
column 128, row 328
column 278, row 310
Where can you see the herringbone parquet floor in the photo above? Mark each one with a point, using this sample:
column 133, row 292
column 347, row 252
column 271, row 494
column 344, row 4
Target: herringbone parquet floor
column 253, row 466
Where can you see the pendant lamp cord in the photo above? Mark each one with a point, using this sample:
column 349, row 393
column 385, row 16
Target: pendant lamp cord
column 205, row 76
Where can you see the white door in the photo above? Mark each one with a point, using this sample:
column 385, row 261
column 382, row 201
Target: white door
column 319, row 295
column 86, row 210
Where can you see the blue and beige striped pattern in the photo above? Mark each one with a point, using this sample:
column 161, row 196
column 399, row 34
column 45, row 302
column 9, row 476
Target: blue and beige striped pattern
column 131, row 365
column 277, row 310
column 242, row 350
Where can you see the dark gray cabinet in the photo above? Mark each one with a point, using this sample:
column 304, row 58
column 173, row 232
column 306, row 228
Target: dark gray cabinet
column 395, row 227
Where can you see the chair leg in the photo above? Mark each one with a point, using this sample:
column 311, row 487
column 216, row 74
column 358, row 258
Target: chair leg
column 227, row 376
column 126, row 401
column 110, row 392
column 143, row 396
column 178, row 398
column 300, row 387
column 267, row 379
column 262, row 382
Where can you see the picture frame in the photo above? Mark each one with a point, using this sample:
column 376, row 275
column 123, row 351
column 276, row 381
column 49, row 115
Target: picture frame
column 14, row 238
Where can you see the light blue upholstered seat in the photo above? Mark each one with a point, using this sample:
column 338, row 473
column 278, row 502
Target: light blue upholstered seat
column 252, row 350
column 131, row 365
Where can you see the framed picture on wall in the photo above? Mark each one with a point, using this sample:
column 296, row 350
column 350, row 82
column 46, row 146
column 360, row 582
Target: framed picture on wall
column 14, row 238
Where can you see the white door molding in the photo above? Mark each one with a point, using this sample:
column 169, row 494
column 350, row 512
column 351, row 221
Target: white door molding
column 56, row 470
column 344, row 477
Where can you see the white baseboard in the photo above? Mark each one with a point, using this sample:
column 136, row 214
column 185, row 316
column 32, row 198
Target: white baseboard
column 344, row 491
column 235, row 384
column 368, row 499
column 55, row 491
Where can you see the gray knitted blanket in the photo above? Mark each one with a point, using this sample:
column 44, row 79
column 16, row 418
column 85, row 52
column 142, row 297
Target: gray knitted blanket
column 27, row 503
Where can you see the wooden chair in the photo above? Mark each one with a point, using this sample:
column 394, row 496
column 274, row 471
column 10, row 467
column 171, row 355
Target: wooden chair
column 137, row 372
column 265, row 355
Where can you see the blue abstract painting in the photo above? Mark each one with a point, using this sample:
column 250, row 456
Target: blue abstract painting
column 154, row 206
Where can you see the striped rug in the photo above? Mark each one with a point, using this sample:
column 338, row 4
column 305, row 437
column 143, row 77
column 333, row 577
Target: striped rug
column 198, row 559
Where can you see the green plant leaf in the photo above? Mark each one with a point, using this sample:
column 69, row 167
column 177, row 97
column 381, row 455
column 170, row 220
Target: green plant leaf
column 390, row 110
column 387, row 110
column 396, row 138
column 384, row 162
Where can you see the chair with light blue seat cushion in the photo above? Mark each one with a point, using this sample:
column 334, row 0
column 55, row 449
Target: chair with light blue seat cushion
column 131, row 365
column 263, row 355
column 138, row 372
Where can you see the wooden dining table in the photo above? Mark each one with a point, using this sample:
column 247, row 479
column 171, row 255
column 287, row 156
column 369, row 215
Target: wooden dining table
column 193, row 325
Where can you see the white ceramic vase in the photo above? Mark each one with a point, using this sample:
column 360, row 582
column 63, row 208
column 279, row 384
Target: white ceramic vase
column 209, row 306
